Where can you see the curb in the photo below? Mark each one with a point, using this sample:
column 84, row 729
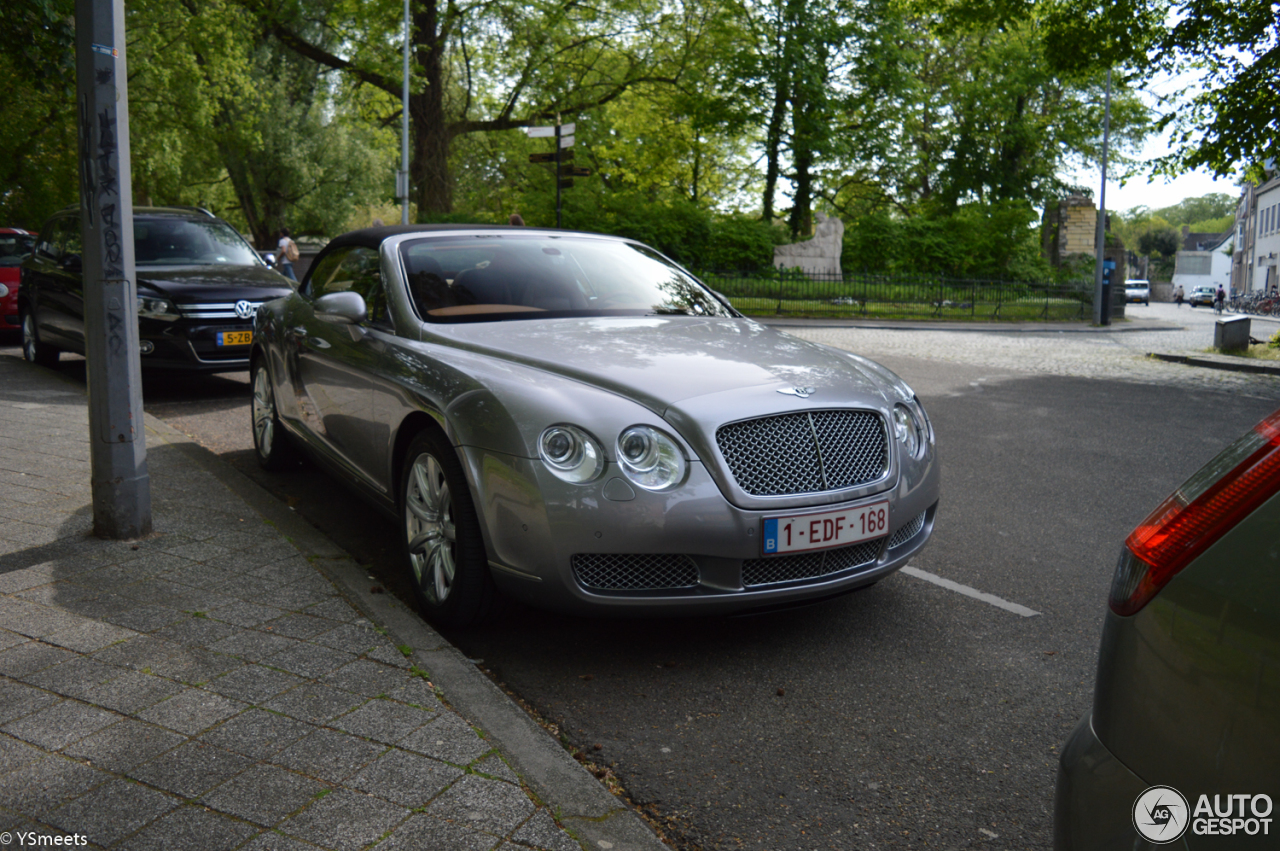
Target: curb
column 978, row 327
column 1215, row 363
column 580, row 802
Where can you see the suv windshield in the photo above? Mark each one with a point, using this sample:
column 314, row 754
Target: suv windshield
column 189, row 242
column 488, row 277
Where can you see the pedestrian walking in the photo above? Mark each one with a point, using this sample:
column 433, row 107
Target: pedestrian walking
column 1178, row 296
column 286, row 254
column 1219, row 299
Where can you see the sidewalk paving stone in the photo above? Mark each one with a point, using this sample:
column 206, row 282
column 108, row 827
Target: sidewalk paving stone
column 208, row 687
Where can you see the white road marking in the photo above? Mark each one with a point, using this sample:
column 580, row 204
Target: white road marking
column 970, row 592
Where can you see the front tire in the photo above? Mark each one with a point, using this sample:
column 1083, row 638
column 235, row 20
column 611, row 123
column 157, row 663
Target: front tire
column 32, row 349
column 272, row 444
column 442, row 541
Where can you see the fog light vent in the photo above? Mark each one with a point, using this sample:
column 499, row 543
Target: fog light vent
column 634, row 572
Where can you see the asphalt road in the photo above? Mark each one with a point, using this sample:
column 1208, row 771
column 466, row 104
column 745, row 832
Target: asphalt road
column 903, row 716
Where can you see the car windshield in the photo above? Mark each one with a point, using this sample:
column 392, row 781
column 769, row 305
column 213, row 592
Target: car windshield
column 490, row 277
column 189, row 242
column 14, row 247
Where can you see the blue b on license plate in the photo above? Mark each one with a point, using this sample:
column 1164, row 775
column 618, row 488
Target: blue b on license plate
column 828, row 529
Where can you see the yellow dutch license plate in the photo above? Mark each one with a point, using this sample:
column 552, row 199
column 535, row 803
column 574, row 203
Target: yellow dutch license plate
column 235, row 338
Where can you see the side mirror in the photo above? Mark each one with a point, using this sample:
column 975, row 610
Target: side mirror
column 341, row 308
column 70, row 262
column 269, row 259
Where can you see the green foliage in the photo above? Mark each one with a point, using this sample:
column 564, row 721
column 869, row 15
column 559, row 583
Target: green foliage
column 1232, row 48
column 1215, row 205
column 996, row 240
column 1274, row 342
column 38, row 135
column 1164, row 242
column 1218, row 225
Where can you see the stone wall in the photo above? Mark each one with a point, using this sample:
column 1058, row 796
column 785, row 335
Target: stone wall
column 1068, row 228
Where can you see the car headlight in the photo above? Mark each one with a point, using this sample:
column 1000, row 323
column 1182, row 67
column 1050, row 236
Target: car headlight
column 911, row 428
column 156, row 308
column 650, row 459
column 571, row 454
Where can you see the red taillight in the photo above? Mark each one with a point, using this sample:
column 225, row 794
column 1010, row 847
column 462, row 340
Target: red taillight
column 1225, row 491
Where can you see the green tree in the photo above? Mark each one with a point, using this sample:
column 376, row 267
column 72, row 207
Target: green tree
column 38, row 135
column 225, row 119
column 484, row 66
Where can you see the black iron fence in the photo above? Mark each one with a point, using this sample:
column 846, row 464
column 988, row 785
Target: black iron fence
column 898, row 296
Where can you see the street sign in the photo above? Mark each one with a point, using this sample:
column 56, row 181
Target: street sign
column 542, row 158
column 566, row 141
column 542, row 132
column 574, row 171
column 565, row 183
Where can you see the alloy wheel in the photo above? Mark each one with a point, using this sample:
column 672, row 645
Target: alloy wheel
column 430, row 529
column 264, row 412
column 29, row 345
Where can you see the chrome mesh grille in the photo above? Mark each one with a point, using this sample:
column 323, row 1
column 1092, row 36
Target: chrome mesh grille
column 805, row 453
column 811, row 565
column 631, row 572
column 906, row 533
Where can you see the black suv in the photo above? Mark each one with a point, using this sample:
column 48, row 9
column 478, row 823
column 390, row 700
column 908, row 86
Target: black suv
column 199, row 286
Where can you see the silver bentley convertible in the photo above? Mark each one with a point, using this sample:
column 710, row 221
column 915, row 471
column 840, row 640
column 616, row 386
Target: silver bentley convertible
column 577, row 422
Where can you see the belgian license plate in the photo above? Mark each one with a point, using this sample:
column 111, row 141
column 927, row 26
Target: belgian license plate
column 235, row 338
column 823, row 531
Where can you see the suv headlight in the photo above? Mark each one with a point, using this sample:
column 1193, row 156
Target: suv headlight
column 650, row 459
column 156, row 308
column 571, row 454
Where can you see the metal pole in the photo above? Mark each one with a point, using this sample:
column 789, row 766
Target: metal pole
column 1101, row 299
column 404, row 124
column 120, row 483
column 559, row 159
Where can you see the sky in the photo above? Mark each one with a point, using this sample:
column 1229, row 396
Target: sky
column 1162, row 191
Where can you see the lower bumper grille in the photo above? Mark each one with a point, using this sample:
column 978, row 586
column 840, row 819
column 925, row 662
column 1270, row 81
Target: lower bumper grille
column 906, row 533
column 642, row 572
column 778, row 569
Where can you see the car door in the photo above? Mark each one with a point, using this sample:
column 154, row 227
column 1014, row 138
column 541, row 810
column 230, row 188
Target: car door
column 335, row 365
column 57, row 292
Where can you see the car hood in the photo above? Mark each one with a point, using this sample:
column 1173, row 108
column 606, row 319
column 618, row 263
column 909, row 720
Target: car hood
column 213, row 283
column 663, row 361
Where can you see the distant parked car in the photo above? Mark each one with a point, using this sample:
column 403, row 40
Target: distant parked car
column 577, row 421
column 1183, row 742
column 1202, row 295
column 199, row 286
column 1138, row 291
column 15, row 245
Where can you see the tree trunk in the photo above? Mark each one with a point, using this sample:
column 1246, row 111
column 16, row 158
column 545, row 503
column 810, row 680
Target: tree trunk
column 773, row 143
column 429, row 129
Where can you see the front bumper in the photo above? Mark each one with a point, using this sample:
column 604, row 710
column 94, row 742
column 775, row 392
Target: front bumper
column 191, row 346
column 1093, row 802
column 540, row 531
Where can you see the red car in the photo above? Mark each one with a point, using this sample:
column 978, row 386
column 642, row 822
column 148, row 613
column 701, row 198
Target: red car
column 15, row 244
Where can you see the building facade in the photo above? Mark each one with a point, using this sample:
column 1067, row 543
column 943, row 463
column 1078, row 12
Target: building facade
column 1204, row 260
column 1257, row 243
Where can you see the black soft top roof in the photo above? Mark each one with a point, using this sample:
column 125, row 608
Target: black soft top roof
column 374, row 237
